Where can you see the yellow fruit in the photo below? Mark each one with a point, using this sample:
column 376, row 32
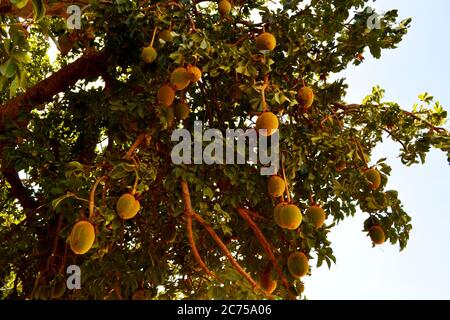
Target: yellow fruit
column 166, row 35
column 267, row 283
column 166, row 95
column 82, row 237
column 305, row 97
column 276, row 186
column 127, row 206
column 277, row 211
column 377, row 235
column 194, row 73
column 179, row 78
column 290, row 217
column 181, row 111
column 149, row 54
column 374, row 177
column 266, row 41
column 268, row 121
column 316, row 215
column 298, row 264
column 224, row 7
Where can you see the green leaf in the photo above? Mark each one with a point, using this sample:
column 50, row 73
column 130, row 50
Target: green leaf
column 57, row 201
column 8, row 69
column 22, row 57
column 19, row 3
column 39, row 10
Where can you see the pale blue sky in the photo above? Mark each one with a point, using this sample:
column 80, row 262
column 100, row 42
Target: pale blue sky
column 421, row 271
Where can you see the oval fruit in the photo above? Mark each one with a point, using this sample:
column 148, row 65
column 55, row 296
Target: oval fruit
column 266, row 41
column 268, row 121
column 166, row 95
column 277, row 211
column 194, row 73
column 316, row 215
column 298, row 264
column 267, row 283
column 181, row 111
column 82, row 237
column 290, row 217
column 305, row 97
column 166, row 35
column 377, row 235
column 224, row 7
column 276, row 186
column 374, row 177
column 127, row 206
column 149, row 54
column 179, row 78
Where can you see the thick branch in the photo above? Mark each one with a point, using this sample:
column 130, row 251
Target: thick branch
column 262, row 239
column 90, row 65
column 18, row 190
column 216, row 238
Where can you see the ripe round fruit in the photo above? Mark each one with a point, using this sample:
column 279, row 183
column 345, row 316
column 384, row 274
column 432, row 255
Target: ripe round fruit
column 277, row 211
column 166, row 95
column 268, row 121
column 341, row 166
column 266, row 41
column 82, row 237
column 276, row 186
column 377, row 235
column 374, row 177
column 305, row 97
column 181, row 111
column 267, row 284
column 316, row 215
column 166, row 35
column 127, row 206
column 194, row 73
column 224, row 7
column 290, row 217
column 298, row 264
column 179, row 78
column 149, row 54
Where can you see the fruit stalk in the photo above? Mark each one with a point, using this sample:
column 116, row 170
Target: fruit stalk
column 92, row 197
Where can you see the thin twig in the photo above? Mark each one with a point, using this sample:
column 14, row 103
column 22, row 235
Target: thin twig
column 267, row 247
column 92, row 197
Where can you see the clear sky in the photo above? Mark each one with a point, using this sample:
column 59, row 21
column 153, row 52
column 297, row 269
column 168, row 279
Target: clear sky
column 421, row 271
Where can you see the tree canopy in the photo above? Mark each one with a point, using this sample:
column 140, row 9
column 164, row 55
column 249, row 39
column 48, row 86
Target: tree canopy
column 80, row 132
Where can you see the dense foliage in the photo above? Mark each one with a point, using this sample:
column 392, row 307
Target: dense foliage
column 97, row 120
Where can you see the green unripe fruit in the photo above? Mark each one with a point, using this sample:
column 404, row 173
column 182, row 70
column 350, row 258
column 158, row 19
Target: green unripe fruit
column 290, row 217
column 149, row 54
column 166, row 95
column 316, row 215
column 268, row 121
column 374, row 177
column 276, row 186
column 179, row 78
column 224, row 7
column 377, row 235
column 266, row 41
column 298, row 264
column 82, row 237
column 166, row 35
column 181, row 111
column 168, row 233
column 305, row 97
column 127, row 206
